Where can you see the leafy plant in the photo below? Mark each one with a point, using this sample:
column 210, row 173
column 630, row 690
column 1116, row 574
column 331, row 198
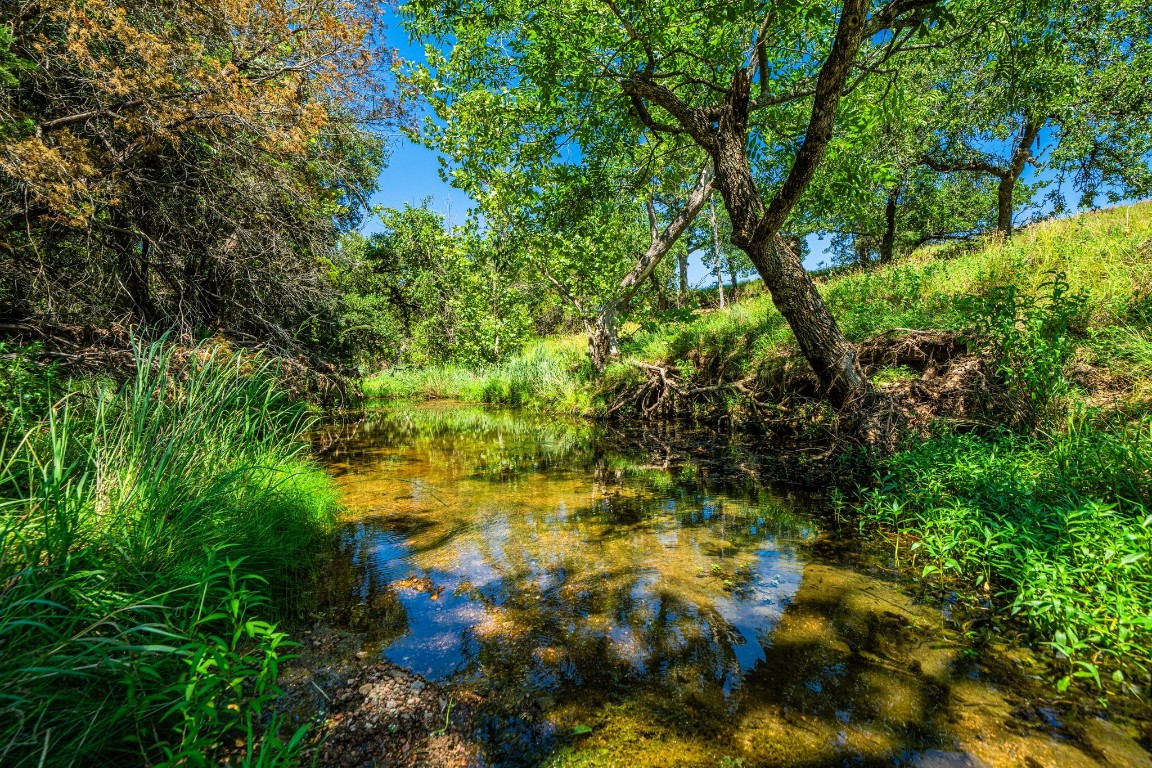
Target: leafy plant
column 148, row 534
column 1029, row 338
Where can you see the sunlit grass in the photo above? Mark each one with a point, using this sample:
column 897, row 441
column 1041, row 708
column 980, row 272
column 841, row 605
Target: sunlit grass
column 148, row 532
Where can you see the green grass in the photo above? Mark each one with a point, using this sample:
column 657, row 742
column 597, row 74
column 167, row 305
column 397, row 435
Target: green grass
column 1103, row 254
column 1058, row 531
column 551, row 374
column 149, row 533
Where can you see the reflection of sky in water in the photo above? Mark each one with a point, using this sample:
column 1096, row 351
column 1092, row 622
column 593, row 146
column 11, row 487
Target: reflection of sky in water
column 435, row 644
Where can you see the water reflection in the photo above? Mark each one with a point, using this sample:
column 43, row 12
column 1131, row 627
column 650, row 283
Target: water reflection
column 534, row 560
column 563, row 579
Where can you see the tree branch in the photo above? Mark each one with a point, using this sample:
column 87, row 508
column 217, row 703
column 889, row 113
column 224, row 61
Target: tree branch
column 829, row 86
column 695, row 121
column 979, row 166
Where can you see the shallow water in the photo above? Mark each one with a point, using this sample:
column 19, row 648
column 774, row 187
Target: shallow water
column 610, row 606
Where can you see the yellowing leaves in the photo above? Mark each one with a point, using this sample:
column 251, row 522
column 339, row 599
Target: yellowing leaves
column 121, row 81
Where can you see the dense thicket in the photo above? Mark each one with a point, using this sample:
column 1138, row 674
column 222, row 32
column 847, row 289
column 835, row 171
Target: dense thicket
column 183, row 164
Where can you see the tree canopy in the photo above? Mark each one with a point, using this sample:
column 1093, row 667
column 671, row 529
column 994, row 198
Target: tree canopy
column 187, row 165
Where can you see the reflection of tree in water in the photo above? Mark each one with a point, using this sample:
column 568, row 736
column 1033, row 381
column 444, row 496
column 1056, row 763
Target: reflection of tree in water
column 594, row 622
column 358, row 596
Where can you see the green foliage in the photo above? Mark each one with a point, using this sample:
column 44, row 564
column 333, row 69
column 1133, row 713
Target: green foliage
column 1104, row 283
column 1029, row 338
column 189, row 168
column 417, row 295
column 25, row 385
column 1060, row 531
column 147, row 534
column 553, row 375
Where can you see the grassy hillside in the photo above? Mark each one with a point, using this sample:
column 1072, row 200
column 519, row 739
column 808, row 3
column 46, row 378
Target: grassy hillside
column 1040, row 501
column 1106, row 255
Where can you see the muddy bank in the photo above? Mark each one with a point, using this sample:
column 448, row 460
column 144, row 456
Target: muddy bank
column 366, row 711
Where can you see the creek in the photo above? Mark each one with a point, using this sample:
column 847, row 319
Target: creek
column 606, row 598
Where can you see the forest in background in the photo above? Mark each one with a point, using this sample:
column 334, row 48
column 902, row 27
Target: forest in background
column 183, row 190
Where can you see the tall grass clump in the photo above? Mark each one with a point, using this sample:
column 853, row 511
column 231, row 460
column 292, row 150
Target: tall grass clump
column 552, row 374
column 149, row 534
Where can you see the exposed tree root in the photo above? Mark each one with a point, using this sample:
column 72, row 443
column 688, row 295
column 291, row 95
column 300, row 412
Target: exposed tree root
column 945, row 381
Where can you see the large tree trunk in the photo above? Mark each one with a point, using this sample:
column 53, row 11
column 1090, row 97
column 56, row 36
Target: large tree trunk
column 756, row 227
column 721, row 130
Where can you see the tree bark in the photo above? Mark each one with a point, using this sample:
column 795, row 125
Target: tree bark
column 1021, row 154
column 682, row 294
column 1004, row 192
column 888, row 241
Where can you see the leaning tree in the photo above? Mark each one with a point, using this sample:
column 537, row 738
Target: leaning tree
column 759, row 94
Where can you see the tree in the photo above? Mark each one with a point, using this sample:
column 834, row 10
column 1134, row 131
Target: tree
column 184, row 165
column 416, row 294
column 903, row 204
column 1076, row 77
column 525, row 86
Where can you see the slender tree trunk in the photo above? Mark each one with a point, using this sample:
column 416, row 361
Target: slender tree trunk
column 1021, row 154
column 133, row 256
column 1004, row 205
column 733, row 283
column 716, row 252
column 602, row 342
column 682, row 294
column 888, row 242
column 661, row 297
column 603, row 347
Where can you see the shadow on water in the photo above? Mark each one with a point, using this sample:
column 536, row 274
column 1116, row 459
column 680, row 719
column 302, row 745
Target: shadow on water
column 572, row 584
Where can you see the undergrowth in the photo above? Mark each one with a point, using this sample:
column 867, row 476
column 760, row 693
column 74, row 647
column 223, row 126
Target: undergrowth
column 150, row 535
column 551, row 374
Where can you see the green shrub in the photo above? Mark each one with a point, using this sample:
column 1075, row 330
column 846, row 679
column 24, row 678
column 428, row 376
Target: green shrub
column 26, row 386
column 1029, row 339
column 1060, row 530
